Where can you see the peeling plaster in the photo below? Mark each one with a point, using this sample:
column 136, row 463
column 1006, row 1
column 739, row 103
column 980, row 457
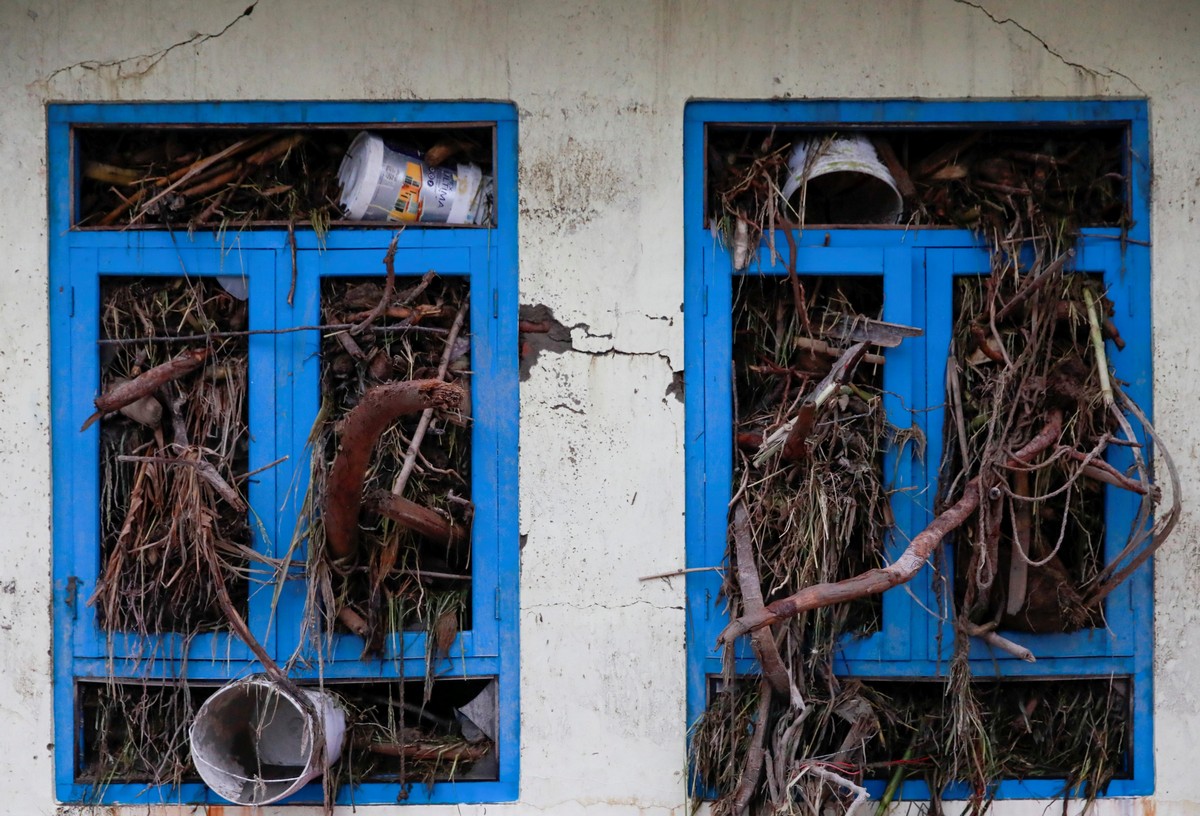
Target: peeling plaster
column 553, row 337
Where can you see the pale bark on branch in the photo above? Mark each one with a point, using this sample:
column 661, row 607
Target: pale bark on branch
column 750, row 583
column 875, row 581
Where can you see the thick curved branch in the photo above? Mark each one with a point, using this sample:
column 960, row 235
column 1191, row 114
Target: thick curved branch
column 378, row 409
column 749, row 581
column 875, row 581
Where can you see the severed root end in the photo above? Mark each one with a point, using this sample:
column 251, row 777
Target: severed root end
column 442, row 395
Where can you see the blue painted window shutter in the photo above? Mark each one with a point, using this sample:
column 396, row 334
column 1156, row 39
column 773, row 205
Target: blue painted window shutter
column 918, row 268
column 283, row 404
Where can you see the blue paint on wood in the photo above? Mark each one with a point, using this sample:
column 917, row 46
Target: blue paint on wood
column 918, row 268
column 283, row 403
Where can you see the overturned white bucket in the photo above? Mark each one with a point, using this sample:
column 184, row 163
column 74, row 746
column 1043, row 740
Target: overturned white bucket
column 254, row 743
column 381, row 184
column 846, row 182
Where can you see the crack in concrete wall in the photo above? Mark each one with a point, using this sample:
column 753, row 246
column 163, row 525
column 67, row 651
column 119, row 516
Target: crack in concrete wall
column 151, row 58
column 527, row 607
column 1107, row 73
column 540, row 331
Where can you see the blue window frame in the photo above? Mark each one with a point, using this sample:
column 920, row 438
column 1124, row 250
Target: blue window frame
column 918, row 268
column 283, row 403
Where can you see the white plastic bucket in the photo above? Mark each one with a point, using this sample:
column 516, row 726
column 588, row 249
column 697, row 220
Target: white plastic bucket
column 254, row 743
column 381, row 184
column 847, row 183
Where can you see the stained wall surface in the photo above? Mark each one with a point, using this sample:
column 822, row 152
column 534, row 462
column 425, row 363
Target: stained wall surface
column 601, row 89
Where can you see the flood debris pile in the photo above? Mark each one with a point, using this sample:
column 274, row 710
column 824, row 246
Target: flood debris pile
column 175, row 543
column 397, row 735
column 1038, row 547
column 386, row 525
column 219, row 178
column 1032, row 408
column 810, row 508
column 174, row 447
column 136, row 731
column 389, row 504
column 950, row 178
column 1078, row 732
column 810, row 433
column 388, row 521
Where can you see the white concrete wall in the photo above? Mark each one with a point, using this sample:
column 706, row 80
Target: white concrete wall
column 601, row 89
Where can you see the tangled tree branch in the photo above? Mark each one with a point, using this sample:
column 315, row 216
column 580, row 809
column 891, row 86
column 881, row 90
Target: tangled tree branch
column 875, row 581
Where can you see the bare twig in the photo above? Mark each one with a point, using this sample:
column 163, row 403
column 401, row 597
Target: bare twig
column 795, row 446
column 798, row 299
column 816, row 769
column 678, row 572
column 990, row 636
column 204, row 468
column 1106, row 390
column 1018, row 567
column 221, row 335
column 257, row 471
column 755, row 754
column 291, row 295
column 199, row 167
column 413, row 516
column 1110, row 578
column 418, row 752
column 389, row 285
column 1025, row 292
column 145, row 384
column 414, row 447
column 353, row 621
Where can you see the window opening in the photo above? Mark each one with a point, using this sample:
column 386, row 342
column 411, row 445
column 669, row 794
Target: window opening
column 1029, row 561
column 399, row 732
column 826, row 518
column 1038, row 501
column 137, row 176
column 136, row 732
column 218, row 299
column 944, row 177
column 1077, row 734
column 405, row 561
column 174, row 438
column 407, row 733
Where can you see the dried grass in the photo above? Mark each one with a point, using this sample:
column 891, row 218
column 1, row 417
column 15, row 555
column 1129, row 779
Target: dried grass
column 1024, row 344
